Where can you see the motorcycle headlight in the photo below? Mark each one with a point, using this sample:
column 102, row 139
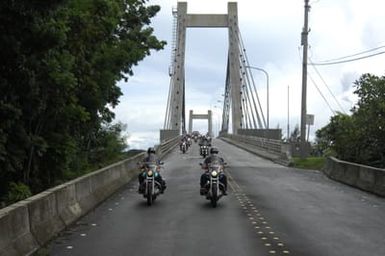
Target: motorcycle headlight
column 150, row 173
column 214, row 173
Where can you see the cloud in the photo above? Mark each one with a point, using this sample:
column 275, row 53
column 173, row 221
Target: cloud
column 142, row 140
column 348, row 80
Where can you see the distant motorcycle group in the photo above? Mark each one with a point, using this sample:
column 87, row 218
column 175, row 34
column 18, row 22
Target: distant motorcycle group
column 204, row 143
column 213, row 182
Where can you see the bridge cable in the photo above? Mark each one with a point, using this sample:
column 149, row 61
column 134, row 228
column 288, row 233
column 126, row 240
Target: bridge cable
column 248, row 72
column 247, row 89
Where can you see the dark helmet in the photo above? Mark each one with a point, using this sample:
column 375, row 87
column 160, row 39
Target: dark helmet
column 214, row 150
column 151, row 150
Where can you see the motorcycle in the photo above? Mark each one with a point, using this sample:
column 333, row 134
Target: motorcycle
column 204, row 151
column 151, row 187
column 183, row 147
column 214, row 186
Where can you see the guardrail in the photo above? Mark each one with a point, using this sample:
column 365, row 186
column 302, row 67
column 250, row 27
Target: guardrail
column 29, row 224
column 274, row 150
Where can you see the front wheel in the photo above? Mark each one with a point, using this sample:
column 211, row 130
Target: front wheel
column 149, row 196
column 214, row 195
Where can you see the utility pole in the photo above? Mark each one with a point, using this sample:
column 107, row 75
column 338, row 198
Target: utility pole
column 304, row 43
column 288, row 114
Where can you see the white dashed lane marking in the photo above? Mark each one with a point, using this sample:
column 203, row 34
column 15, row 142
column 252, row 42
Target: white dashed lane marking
column 263, row 230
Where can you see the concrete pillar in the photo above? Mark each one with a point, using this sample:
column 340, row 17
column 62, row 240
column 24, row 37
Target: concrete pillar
column 190, row 122
column 210, row 121
column 178, row 76
column 234, row 65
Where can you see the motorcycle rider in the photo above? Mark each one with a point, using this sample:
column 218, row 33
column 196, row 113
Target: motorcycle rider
column 204, row 141
column 185, row 141
column 150, row 158
column 205, row 177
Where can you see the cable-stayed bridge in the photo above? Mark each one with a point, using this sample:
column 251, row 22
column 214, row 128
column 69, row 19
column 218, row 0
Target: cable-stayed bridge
column 242, row 111
column 271, row 209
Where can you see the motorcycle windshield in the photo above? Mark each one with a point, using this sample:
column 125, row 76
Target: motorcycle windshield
column 151, row 166
column 216, row 167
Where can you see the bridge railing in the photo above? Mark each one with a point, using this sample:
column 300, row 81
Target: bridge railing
column 27, row 225
column 165, row 147
column 274, row 150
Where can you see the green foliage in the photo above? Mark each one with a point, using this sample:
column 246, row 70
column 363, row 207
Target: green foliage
column 312, row 163
column 58, row 75
column 109, row 145
column 17, row 191
column 359, row 137
column 295, row 135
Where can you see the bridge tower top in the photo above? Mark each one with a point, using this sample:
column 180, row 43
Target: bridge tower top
column 175, row 116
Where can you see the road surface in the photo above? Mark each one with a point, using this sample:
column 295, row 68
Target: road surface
column 269, row 210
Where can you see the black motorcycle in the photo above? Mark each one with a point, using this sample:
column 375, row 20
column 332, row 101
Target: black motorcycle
column 204, row 151
column 183, row 147
column 151, row 187
column 214, row 187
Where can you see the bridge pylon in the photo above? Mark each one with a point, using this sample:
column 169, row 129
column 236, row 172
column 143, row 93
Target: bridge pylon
column 209, row 118
column 175, row 117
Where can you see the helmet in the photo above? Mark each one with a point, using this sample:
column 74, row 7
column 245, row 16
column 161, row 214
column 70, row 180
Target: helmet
column 214, row 150
column 151, row 150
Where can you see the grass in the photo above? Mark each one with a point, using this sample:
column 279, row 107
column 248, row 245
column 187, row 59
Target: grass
column 313, row 163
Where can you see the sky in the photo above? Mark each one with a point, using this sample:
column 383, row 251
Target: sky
column 271, row 32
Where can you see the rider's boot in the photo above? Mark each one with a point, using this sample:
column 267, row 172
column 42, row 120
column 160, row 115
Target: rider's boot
column 203, row 191
column 163, row 187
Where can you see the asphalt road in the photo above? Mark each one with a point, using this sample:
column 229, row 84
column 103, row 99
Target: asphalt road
column 270, row 210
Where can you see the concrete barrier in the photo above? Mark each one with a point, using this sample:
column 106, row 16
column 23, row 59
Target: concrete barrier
column 68, row 207
column 44, row 219
column 360, row 176
column 29, row 224
column 15, row 235
column 274, row 150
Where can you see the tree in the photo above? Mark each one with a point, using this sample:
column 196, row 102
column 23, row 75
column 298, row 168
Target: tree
column 369, row 115
column 25, row 42
column 359, row 137
column 58, row 83
column 340, row 137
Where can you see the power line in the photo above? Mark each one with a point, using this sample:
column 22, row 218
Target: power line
column 345, row 61
column 323, row 80
column 327, row 103
column 353, row 55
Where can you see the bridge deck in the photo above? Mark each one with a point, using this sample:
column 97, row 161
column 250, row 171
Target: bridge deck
column 270, row 210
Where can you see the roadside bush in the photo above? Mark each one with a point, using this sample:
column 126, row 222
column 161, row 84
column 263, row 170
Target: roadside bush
column 16, row 192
